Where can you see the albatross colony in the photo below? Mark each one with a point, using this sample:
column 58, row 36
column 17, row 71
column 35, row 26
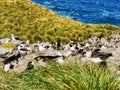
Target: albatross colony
column 93, row 49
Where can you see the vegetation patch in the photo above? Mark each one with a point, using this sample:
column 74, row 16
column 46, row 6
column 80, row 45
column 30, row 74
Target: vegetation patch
column 61, row 77
column 37, row 23
column 7, row 45
column 30, row 21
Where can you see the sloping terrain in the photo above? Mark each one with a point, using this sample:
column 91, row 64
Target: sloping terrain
column 31, row 21
column 34, row 22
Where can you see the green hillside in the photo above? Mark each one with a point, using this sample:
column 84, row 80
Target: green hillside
column 31, row 21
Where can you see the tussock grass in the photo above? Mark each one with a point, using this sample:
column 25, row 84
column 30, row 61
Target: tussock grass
column 31, row 21
column 61, row 77
column 7, row 45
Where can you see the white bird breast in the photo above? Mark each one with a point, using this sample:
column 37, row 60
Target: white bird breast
column 6, row 67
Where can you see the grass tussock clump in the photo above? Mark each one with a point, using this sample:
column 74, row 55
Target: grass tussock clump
column 31, row 21
column 7, row 45
column 61, row 77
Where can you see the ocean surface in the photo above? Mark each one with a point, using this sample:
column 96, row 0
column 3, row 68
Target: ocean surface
column 87, row 11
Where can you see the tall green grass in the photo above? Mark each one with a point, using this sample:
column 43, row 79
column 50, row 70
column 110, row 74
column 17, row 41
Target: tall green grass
column 61, row 77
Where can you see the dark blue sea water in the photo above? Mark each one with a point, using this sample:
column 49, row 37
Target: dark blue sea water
column 87, row 11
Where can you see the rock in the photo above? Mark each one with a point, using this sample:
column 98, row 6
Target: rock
column 3, row 41
column 4, row 51
column 108, row 50
column 116, row 53
column 60, row 60
column 41, row 63
column 48, row 53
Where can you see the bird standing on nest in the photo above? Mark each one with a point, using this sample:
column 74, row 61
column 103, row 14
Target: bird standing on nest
column 15, row 40
column 13, row 37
